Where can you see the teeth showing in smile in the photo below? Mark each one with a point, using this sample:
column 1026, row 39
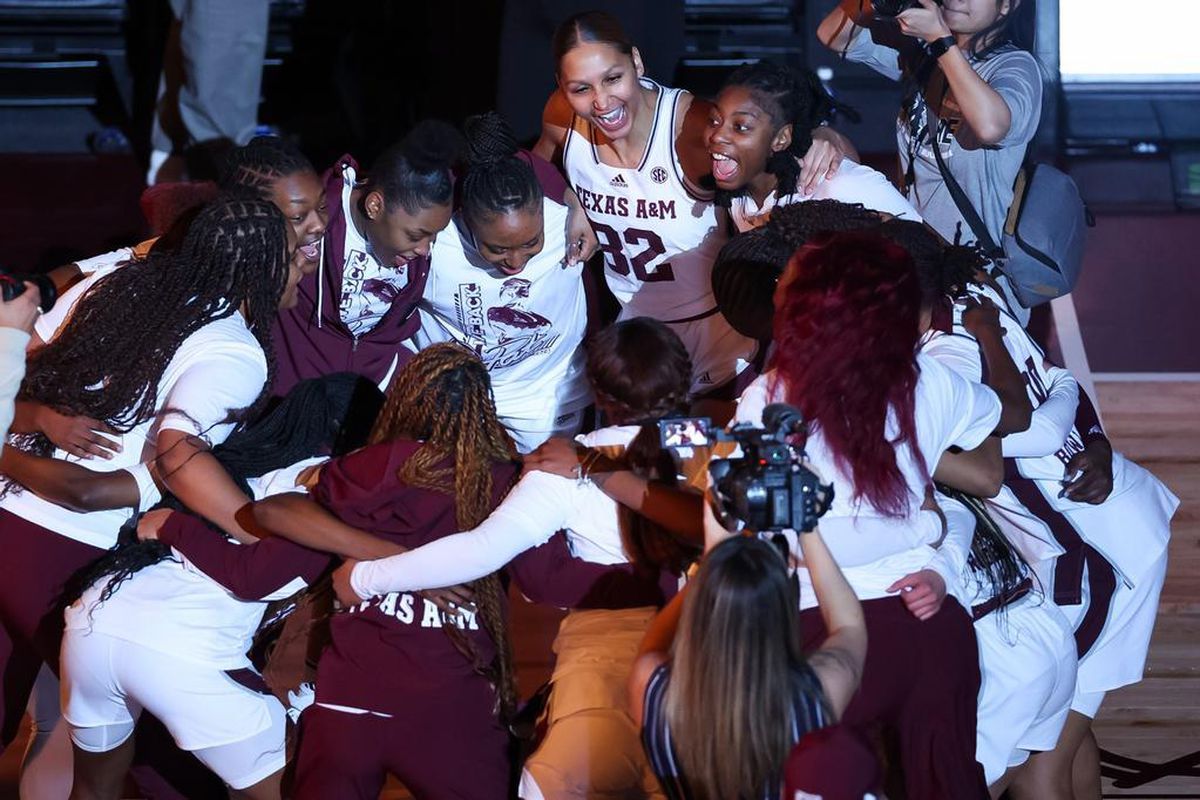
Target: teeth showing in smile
column 724, row 167
column 612, row 117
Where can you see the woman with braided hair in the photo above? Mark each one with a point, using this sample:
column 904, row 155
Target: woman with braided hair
column 151, row 630
column 759, row 130
column 500, row 284
column 639, row 372
column 177, row 382
column 437, row 459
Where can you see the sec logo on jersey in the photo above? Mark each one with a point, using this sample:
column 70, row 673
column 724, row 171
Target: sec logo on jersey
column 658, row 175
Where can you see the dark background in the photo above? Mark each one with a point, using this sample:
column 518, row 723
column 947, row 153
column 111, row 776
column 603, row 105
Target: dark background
column 78, row 81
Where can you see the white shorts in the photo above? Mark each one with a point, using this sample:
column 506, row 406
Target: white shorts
column 1118, row 657
column 1027, row 667
column 236, row 731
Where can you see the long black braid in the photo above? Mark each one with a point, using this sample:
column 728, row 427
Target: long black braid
column 110, row 356
column 795, row 224
column 944, row 270
column 496, row 182
column 993, row 560
column 259, row 163
column 332, row 414
column 788, row 95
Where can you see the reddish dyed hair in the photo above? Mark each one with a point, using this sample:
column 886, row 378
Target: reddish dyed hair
column 846, row 331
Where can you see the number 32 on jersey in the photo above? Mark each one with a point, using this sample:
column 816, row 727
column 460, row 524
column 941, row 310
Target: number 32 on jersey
column 614, row 252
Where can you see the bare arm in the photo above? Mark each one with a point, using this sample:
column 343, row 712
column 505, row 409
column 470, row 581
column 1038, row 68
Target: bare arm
column 983, row 109
column 978, row 472
column 192, row 474
column 556, row 118
column 840, row 24
column 299, row 518
column 839, row 661
column 983, row 322
column 70, row 485
column 677, row 511
column 654, row 650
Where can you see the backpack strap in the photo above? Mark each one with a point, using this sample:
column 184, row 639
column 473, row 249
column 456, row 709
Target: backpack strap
column 990, row 248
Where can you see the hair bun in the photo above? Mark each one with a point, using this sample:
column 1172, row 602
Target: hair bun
column 489, row 140
column 432, row 146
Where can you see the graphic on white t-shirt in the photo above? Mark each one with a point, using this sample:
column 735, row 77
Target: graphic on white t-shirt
column 368, row 287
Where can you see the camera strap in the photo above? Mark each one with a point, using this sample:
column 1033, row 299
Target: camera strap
column 785, row 551
column 965, row 207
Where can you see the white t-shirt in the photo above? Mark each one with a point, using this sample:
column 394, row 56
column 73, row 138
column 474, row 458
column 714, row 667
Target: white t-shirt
column 874, row 550
column 368, row 287
column 174, row 608
column 538, row 506
column 528, row 328
column 217, row 369
column 853, row 183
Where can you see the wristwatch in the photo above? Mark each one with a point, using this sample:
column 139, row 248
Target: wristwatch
column 938, row 47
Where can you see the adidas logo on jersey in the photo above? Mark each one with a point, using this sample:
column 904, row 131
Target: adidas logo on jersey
column 705, row 378
column 619, row 182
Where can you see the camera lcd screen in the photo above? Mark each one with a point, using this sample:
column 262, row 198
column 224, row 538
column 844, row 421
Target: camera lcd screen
column 685, row 432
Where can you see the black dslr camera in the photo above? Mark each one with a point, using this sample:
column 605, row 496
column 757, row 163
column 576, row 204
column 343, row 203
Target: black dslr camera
column 893, row 8
column 769, row 489
column 13, row 285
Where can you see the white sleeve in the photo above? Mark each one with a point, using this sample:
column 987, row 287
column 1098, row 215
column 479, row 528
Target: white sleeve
column 49, row 323
column 961, row 412
column 148, row 492
column 859, row 184
column 201, row 400
column 537, row 507
column 950, row 557
column 1051, row 422
column 12, row 369
column 957, row 352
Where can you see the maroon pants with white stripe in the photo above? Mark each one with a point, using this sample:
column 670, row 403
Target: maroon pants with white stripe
column 921, row 679
column 440, row 750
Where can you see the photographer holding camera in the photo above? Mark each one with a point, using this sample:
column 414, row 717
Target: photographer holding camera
column 19, row 307
column 969, row 71
column 721, row 687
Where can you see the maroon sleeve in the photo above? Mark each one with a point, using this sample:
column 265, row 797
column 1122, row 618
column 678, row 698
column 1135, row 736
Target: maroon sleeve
column 550, row 575
column 1087, row 421
column 554, row 185
column 249, row 571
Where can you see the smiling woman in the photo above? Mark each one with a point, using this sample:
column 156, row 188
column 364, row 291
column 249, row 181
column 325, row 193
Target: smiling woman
column 501, row 285
column 359, row 308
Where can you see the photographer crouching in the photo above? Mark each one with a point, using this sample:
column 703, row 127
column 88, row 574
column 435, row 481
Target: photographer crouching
column 721, row 687
column 21, row 299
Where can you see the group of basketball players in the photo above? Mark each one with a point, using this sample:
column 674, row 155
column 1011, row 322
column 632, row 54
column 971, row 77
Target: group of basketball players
column 304, row 371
